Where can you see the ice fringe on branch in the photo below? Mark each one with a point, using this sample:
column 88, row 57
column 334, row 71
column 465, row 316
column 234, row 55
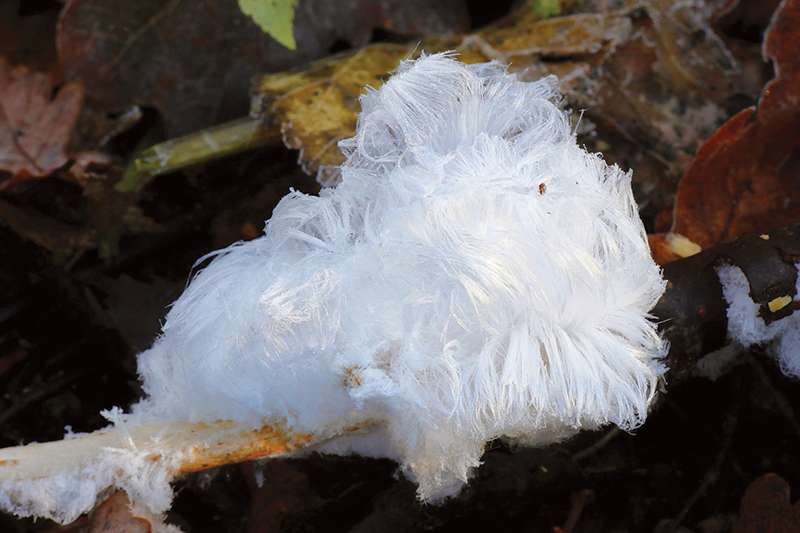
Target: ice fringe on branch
column 476, row 274
column 746, row 326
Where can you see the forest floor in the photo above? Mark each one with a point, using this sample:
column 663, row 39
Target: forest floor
column 87, row 271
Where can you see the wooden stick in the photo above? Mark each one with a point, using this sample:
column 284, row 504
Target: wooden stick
column 197, row 446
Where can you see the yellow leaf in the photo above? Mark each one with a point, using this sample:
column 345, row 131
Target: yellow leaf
column 610, row 62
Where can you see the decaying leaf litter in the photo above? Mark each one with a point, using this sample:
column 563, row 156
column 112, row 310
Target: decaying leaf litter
column 667, row 58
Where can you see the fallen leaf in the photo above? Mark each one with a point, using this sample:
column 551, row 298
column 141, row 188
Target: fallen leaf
column 193, row 61
column 329, row 93
column 114, row 516
column 667, row 247
column 89, row 165
column 639, row 72
column 22, row 31
column 744, row 177
column 275, row 17
column 545, row 8
column 34, row 126
column 767, row 508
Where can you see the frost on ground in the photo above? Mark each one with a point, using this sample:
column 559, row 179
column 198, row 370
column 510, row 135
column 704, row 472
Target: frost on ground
column 747, row 327
column 475, row 275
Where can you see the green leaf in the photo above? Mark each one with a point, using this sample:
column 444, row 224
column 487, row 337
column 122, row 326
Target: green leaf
column 275, row 17
column 546, row 8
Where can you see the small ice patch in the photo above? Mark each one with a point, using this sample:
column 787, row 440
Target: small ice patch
column 746, row 326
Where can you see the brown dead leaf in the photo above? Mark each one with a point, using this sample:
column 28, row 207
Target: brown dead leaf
column 767, row 508
column 667, row 247
column 641, row 74
column 193, row 61
column 744, row 178
column 26, row 34
column 34, row 126
column 114, row 516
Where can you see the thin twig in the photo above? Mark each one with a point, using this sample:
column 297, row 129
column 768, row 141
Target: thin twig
column 712, row 474
column 578, row 502
column 199, row 147
column 601, row 443
column 784, row 406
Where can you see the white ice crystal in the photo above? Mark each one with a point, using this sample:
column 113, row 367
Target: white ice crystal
column 746, row 326
column 67, row 495
column 475, row 275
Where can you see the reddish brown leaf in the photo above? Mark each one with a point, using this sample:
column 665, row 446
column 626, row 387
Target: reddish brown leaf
column 766, row 508
column 744, row 179
column 193, row 61
column 114, row 515
column 667, row 247
column 34, row 127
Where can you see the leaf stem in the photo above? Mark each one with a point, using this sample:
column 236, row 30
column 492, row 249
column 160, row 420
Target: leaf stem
column 205, row 145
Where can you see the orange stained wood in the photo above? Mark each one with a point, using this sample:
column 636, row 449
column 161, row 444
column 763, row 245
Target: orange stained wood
column 268, row 440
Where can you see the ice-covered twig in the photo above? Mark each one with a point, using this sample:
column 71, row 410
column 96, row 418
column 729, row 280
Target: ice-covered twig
column 759, row 276
column 141, row 459
column 475, row 275
column 693, row 312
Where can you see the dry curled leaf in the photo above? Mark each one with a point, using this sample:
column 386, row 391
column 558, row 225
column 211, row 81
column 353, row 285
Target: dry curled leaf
column 744, row 178
column 767, row 508
column 34, row 125
column 193, row 61
column 638, row 71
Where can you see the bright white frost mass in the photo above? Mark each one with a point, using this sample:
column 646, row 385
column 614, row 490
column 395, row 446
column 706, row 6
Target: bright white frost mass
column 476, row 274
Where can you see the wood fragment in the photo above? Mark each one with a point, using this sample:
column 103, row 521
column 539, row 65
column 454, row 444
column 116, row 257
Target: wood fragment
column 197, row 446
column 693, row 312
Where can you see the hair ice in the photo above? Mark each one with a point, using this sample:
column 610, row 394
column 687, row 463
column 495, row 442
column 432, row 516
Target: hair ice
column 476, row 274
